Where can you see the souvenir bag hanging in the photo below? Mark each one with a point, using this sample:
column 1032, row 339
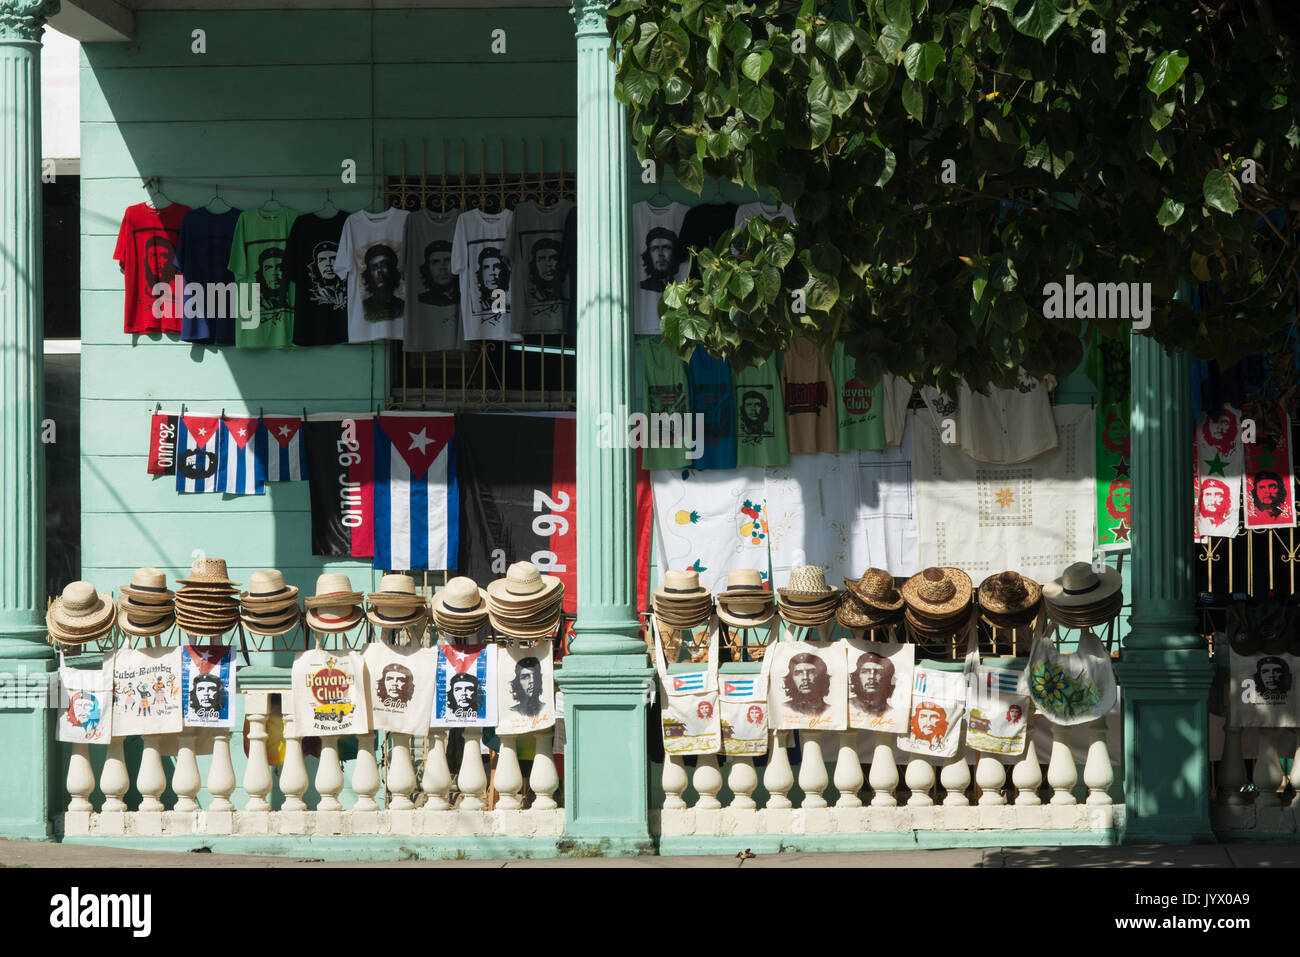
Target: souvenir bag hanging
column 208, row 686
column 808, row 686
column 329, row 697
column 85, row 703
column 1262, row 691
column 146, row 691
column 880, row 684
column 689, row 718
column 938, row 706
column 742, row 699
column 400, row 686
column 465, row 691
column 997, row 705
column 525, row 688
column 1070, row 688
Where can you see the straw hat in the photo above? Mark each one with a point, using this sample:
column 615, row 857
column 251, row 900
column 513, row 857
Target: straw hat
column 207, row 571
column 267, row 590
column 937, row 594
column 1009, row 599
column 853, row 612
column 397, row 604
column 144, row 621
column 523, row 587
column 745, row 603
column 335, row 606
column 682, row 602
column 148, row 587
column 460, row 608
column 80, row 614
column 807, row 599
column 1081, row 597
column 875, row 589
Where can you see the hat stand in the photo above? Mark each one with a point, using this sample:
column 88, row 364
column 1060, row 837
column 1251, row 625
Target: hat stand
column 738, row 639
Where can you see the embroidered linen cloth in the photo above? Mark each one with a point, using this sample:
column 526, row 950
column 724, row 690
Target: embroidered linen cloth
column 712, row 522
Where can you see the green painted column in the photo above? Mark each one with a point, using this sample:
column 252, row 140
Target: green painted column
column 1164, row 672
column 606, row 678
column 30, row 785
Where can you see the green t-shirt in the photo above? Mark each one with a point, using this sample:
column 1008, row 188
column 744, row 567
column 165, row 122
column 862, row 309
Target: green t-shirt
column 760, row 416
column 257, row 256
column 665, row 393
column 858, row 420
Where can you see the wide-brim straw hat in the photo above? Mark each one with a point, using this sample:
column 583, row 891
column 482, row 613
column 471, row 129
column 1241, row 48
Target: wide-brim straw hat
column 396, row 594
column 1009, row 599
column 819, row 616
column 208, row 571
column 331, row 619
column 271, row 624
column 1080, row 586
column 333, row 590
column 676, row 616
column 148, row 587
column 681, row 586
column 523, row 586
column 529, row 631
column 382, row 619
column 807, row 586
column 144, row 621
column 460, row 599
column 855, row 613
column 748, row 612
column 80, row 614
column 937, row 594
column 876, row 589
column 267, row 589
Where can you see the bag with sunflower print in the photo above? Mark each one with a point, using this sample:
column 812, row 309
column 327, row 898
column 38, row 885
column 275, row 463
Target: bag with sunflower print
column 1071, row 688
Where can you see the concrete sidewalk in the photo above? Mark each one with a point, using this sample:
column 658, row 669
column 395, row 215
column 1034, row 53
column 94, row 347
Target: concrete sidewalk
column 36, row 854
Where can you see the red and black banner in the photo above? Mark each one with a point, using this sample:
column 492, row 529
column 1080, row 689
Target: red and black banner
column 340, row 470
column 162, row 443
column 518, row 490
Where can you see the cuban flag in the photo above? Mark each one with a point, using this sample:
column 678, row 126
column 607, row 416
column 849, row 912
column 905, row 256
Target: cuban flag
column 1002, row 681
column 238, row 471
column 196, row 453
column 416, row 497
column 280, row 448
column 738, row 687
column 688, row 682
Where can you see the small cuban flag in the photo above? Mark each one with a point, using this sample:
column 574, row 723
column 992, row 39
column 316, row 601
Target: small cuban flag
column 196, row 453
column 688, row 682
column 738, row 687
column 238, row 471
column 281, row 449
column 1002, row 681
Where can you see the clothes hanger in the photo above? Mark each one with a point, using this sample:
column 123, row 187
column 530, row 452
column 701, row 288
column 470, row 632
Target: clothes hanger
column 216, row 198
column 668, row 200
column 272, row 205
column 328, row 204
column 154, row 185
column 377, row 204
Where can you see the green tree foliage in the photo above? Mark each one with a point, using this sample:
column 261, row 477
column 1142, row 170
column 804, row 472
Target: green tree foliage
column 1119, row 166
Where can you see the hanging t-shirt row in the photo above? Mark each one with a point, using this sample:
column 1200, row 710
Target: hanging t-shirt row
column 432, row 280
column 794, row 402
column 663, row 237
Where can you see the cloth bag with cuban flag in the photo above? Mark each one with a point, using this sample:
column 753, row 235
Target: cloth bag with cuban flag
column 997, row 704
column 689, row 718
column 416, row 500
column 743, row 700
column 938, row 706
column 239, row 471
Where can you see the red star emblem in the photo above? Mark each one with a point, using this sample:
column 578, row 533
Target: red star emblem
column 1120, row 531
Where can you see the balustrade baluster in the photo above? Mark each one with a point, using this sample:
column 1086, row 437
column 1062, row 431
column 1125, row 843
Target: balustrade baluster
column 919, row 778
column 883, row 774
column 543, row 781
column 401, row 773
column 742, row 778
column 365, row 774
column 114, row 780
column 778, row 779
column 150, row 779
column 293, row 776
column 675, row 781
column 991, row 776
column 1061, row 772
column 1097, row 774
column 1232, row 769
column 1268, row 770
column 436, row 781
column 472, row 779
column 812, row 770
column 509, row 778
column 221, row 772
column 185, row 777
column 708, row 781
column 955, row 778
column 81, row 779
column 1027, row 774
column 848, row 770
column 257, row 774
column 329, row 774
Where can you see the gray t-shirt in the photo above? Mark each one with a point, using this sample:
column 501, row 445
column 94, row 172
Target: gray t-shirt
column 433, row 290
column 539, row 287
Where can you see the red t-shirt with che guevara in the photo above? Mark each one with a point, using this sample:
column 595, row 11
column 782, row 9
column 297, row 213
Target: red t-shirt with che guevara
column 146, row 247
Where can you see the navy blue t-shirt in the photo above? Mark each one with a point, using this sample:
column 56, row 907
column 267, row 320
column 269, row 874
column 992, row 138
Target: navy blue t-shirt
column 202, row 256
column 710, row 385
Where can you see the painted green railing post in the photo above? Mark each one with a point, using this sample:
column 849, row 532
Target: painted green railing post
column 29, row 786
column 606, row 677
column 1164, row 674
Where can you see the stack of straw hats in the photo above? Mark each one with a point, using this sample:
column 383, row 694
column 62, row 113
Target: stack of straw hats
column 938, row 601
column 207, row 603
column 682, row 602
column 1010, row 600
column 335, row 607
column 745, row 603
column 460, row 610
column 397, row 604
column 807, row 599
column 1081, row 597
column 269, row 607
column 525, row 604
column 145, row 606
column 872, row 601
column 80, row 615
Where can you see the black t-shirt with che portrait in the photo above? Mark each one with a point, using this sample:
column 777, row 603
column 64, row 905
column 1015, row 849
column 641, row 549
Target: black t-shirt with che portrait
column 320, row 295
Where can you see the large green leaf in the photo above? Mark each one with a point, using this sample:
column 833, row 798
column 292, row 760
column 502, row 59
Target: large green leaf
column 757, row 99
column 1166, row 71
column 835, row 39
column 1170, row 212
column 756, row 64
column 920, row 60
column 890, row 43
column 640, row 85
column 1038, row 19
column 914, row 99
column 1220, row 191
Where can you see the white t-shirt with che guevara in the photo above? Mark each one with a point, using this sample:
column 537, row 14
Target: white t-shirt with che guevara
column 370, row 258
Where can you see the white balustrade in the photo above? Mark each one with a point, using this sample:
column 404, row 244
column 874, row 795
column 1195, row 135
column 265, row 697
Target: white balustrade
column 150, row 779
column 81, row 779
column 708, row 781
column 1268, row 770
column 114, row 780
column 472, row 779
column 293, row 776
column 883, row 775
column 365, row 774
column 1232, row 769
column 848, row 770
column 955, row 778
column 742, row 778
column 401, row 773
column 675, row 781
column 991, row 776
column 1097, row 773
column 221, row 773
column 509, row 778
column 543, row 780
column 1062, row 775
column 778, row 778
column 257, row 773
column 185, row 776
column 329, row 774
column 436, row 781
column 1027, row 774
column 919, row 778
column 812, row 770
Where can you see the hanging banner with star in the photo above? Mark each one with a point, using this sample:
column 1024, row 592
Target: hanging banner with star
column 1218, row 472
column 1107, row 364
column 1270, row 490
column 416, row 501
column 1036, row 517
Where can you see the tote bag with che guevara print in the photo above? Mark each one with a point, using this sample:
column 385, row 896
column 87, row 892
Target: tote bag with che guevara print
column 688, row 717
column 997, row 705
column 743, row 701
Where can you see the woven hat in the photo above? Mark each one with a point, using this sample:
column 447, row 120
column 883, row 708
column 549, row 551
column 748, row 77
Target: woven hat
column 523, row 587
column 207, row 571
column 397, row 604
column 807, row 585
column 270, row 624
column 335, row 606
column 460, row 608
column 144, row 621
column 853, row 612
column 1009, row 599
column 682, row 602
column 936, row 595
column 876, row 589
column 80, row 614
column 745, row 603
column 148, row 587
column 267, row 590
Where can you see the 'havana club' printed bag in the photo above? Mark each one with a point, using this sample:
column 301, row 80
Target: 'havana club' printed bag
column 1070, row 688
column 689, row 718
